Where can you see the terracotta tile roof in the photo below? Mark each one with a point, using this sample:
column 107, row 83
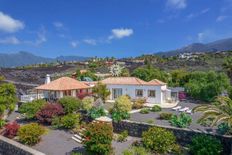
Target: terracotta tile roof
column 130, row 81
column 156, row 82
column 64, row 83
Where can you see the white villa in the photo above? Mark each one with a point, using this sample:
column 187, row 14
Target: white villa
column 154, row 92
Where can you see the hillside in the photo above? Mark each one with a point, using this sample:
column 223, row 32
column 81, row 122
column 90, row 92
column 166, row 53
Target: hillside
column 219, row 45
column 26, row 58
column 21, row 59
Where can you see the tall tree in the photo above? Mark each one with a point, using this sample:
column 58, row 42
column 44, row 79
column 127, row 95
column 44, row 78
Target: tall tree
column 206, row 85
column 8, row 98
column 101, row 91
column 220, row 111
column 148, row 73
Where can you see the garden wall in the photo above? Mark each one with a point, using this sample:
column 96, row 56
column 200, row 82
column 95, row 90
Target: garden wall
column 10, row 147
column 183, row 136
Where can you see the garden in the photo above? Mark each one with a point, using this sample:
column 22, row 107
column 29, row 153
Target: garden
column 43, row 124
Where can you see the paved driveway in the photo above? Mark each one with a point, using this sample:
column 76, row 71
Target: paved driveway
column 57, row 142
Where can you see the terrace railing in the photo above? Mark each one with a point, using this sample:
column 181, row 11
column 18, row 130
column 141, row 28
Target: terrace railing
column 30, row 97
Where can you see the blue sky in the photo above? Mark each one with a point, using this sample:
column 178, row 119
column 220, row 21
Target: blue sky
column 117, row 28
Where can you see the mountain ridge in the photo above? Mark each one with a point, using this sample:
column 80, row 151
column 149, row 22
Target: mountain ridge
column 215, row 46
column 23, row 58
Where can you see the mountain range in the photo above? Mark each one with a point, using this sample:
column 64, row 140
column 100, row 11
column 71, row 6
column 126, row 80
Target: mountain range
column 216, row 46
column 26, row 58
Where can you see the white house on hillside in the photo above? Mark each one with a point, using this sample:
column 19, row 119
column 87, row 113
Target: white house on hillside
column 154, row 92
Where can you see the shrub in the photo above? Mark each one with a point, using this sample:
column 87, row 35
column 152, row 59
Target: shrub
column 49, row 111
column 122, row 136
column 224, row 128
column 68, row 121
column 205, row 144
column 136, row 151
column 159, row 140
column 165, row 115
column 156, row 108
column 123, row 103
column 2, row 123
column 96, row 112
column 98, row 138
column 11, row 129
column 30, row 109
column 181, row 121
column 70, row 104
column 30, row 134
column 138, row 104
column 87, row 103
column 117, row 116
column 144, row 111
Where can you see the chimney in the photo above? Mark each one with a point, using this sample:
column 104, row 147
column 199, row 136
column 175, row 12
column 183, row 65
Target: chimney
column 47, row 79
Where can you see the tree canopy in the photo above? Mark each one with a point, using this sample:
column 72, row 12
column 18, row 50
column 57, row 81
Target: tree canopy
column 8, row 97
column 206, row 85
column 101, row 90
column 149, row 73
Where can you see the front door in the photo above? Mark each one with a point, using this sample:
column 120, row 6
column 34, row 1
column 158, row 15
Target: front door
column 116, row 93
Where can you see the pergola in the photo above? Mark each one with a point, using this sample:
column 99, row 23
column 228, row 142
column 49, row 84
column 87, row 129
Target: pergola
column 64, row 86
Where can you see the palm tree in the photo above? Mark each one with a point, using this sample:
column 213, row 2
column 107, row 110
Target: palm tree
column 227, row 66
column 220, row 111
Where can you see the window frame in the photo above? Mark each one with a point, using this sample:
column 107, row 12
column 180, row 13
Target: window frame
column 149, row 95
column 136, row 92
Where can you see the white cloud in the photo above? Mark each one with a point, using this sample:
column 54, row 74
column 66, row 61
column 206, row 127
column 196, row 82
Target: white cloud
column 9, row 24
column 221, row 18
column 10, row 40
column 58, row 24
column 120, row 33
column 41, row 36
column 201, row 36
column 90, row 41
column 176, row 4
column 193, row 15
column 74, row 44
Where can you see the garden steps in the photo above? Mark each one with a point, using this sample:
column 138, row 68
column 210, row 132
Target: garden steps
column 77, row 140
column 79, row 136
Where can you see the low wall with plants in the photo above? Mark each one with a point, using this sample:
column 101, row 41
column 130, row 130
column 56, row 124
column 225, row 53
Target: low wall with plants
column 10, row 147
column 183, row 136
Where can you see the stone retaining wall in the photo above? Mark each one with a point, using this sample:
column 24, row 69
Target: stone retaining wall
column 183, row 136
column 10, row 147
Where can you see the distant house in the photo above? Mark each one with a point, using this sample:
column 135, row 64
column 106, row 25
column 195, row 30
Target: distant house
column 154, row 92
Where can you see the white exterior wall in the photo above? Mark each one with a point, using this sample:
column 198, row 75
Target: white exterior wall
column 131, row 91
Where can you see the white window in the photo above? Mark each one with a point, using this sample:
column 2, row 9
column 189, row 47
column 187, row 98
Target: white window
column 139, row 92
column 151, row 93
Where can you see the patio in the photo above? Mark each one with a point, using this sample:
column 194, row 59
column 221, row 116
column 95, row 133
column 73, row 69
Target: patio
column 154, row 116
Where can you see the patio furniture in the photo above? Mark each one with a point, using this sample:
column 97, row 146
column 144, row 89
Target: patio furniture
column 184, row 109
column 189, row 111
column 176, row 108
